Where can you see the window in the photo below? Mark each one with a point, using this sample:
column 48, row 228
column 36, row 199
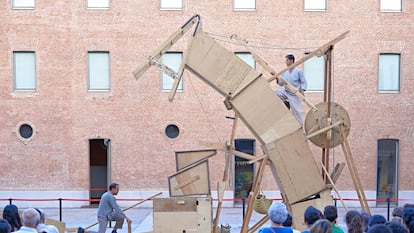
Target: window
column 387, row 171
column 315, row 5
column 391, row 5
column 173, row 61
column 389, row 73
column 171, row 4
column 23, row 4
column 100, row 4
column 245, row 4
column 24, row 70
column 172, row 131
column 314, row 70
column 248, row 58
column 98, row 70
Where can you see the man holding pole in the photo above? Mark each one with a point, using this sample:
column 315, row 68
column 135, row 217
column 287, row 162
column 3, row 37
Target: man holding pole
column 109, row 210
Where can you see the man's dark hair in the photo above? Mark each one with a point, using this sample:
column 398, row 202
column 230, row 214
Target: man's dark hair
column 312, row 215
column 290, row 57
column 331, row 213
column 288, row 222
column 112, row 186
column 376, row 219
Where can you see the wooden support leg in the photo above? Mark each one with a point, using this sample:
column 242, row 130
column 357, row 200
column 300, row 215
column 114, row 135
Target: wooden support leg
column 351, row 166
column 333, row 186
column 252, row 195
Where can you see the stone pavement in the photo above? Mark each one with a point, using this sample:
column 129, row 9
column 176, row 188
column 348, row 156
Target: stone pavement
column 142, row 218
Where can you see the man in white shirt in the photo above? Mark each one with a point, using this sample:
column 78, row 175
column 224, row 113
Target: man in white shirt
column 30, row 220
column 42, row 227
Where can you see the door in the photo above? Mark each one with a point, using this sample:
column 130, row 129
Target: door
column 387, row 172
column 99, row 151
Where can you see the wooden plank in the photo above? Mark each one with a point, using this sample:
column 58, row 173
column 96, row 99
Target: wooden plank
column 187, row 158
column 166, row 45
column 337, row 171
column 333, row 186
column 193, row 180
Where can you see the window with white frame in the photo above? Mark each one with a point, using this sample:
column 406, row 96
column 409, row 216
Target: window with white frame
column 314, row 70
column 248, row 58
column 171, row 4
column 391, row 5
column 24, row 69
column 245, row 4
column 23, row 4
column 98, row 4
column 389, row 72
column 98, row 66
column 172, row 60
column 315, row 5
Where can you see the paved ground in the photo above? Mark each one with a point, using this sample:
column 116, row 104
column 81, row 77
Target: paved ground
column 142, row 218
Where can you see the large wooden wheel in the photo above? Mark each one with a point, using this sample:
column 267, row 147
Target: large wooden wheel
column 318, row 120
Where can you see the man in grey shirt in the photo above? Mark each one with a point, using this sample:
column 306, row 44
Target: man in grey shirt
column 109, row 210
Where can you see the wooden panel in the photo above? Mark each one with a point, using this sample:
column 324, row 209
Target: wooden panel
column 294, row 167
column 298, row 209
column 172, row 217
column 216, row 65
column 175, row 204
column 61, row 226
column 263, row 112
column 186, row 158
column 193, row 180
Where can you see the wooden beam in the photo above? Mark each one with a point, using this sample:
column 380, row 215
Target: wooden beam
column 166, row 45
column 333, row 186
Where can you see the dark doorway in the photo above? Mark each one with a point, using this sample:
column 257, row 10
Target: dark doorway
column 99, row 151
column 387, row 172
column 243, row 172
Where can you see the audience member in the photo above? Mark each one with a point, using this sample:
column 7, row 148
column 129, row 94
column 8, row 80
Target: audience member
column 397, row 227
column 398, row 212
column 30, row 220
column 42, row 227
column 365, row 216
column 408, row 218
column 289, row 223
column 311, row 216
column 354, row 222
column 4, row 226
column 321, row 226
column 379, row 228
column 331, row 214
column 11, row 214
column 376, row 219
column 277, row 213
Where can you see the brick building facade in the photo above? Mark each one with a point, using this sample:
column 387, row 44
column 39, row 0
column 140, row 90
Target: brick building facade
column 61, row 138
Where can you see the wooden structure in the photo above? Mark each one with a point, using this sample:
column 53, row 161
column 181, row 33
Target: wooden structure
column 282, row 139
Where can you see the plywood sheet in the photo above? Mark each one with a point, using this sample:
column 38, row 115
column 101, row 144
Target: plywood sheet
column 193, row 180
column 186, row 158
column 216, row 65
column 294, row 167
column 263, row 112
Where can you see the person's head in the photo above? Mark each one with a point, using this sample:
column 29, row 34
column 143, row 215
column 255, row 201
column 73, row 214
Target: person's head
column 311, row 215
column 365, row 216
column 11, row 214
column 321, row 226
column 289, row 221
column 397, row 212
column 376, row 219
column 379, row 228
column 331, row 213
column 30, row 218
column 42, row 215
column 397, row 227
column 4, row 226
column 408, row 218
column 290, row 59
column 354, row 222
column 114, row 188
column 277, row 212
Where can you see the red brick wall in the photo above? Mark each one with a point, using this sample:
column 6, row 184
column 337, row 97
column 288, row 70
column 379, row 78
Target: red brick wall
column 133, row 114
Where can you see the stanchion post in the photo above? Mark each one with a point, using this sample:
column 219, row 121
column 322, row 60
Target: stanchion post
column 60, row 209
column 244, row 206
column 10, row 201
